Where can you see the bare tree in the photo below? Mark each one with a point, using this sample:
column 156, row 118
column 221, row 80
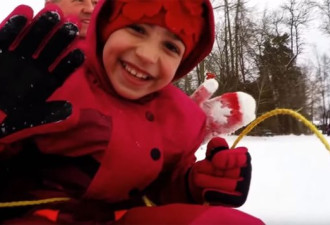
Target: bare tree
column 324, row 8
column 322, row 83
column 298, row 16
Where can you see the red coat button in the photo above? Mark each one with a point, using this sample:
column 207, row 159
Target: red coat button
column 150, row 116
column 155, row 154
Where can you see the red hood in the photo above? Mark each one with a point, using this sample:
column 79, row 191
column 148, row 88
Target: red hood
column 94, row 48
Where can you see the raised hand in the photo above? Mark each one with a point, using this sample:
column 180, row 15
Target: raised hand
column 226, row 113
column 34, row 61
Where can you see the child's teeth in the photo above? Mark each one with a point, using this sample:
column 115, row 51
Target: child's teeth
column 134, row 72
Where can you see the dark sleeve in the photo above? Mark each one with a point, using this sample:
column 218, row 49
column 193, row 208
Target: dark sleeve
column 31, row 175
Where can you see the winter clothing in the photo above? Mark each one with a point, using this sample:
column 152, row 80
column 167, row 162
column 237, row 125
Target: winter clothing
column 225, row 113
column 224, row 176
column 22, row 95
column 159, row 13
column 111, row 151
column 197, row 34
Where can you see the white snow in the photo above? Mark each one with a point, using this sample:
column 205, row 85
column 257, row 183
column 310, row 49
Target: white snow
column 247, row 107
column 211, row 85
column 290, row 179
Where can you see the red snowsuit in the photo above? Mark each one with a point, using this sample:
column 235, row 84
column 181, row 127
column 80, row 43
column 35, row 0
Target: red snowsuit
column 108, row 154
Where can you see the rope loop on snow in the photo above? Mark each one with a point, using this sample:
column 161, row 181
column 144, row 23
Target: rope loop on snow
column 279, row 111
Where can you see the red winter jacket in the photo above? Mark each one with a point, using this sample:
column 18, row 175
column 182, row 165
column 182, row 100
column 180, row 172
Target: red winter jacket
column 140, row 147
column 108, row 154
column 136, row 143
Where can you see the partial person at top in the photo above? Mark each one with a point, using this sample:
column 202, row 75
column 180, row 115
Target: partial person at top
column 81, row 9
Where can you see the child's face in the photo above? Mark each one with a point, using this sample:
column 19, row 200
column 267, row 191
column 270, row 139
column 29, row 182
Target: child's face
column 141, row 59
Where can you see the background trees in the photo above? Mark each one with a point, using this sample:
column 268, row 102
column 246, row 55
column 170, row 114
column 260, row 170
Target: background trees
column 259, row 54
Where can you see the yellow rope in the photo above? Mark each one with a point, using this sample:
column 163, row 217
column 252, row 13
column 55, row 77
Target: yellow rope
column 30, row 203
column 252, row 125
column 147, row 201
column 282, row 111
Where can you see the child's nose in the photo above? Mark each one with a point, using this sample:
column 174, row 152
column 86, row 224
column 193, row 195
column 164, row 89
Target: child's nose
column 88, row 7
column 148, row 52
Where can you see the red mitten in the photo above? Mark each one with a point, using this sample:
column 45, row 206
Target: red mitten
column 226, row 113
column 223, row 178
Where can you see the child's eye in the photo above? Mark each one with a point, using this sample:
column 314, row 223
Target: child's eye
column 137, row 28
column 172, row 47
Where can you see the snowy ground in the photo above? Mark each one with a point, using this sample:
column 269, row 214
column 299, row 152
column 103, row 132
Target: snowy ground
column 291, row 179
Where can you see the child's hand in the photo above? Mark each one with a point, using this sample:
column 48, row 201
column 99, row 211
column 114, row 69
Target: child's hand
column 32, row 67
column 223, row 178
column 226, row 113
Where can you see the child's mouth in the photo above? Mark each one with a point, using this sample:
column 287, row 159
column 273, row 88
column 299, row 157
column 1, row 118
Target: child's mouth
column 85, row 21
column 134, row 72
